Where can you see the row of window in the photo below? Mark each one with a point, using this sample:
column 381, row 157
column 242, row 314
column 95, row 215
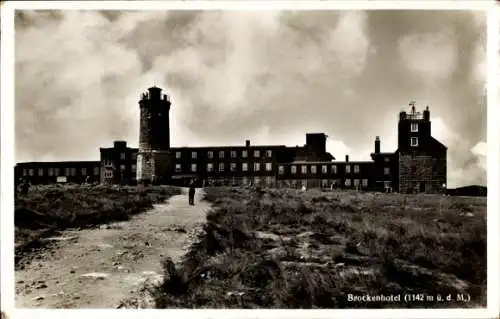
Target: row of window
column 233, row 154
column 68, row 171
column 313, row 169
column 281, row 168
column 233, row 167
column 324, row 182
column 123, row 156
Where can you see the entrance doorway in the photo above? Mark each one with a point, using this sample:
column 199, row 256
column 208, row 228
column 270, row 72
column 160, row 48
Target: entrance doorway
column 422, row 187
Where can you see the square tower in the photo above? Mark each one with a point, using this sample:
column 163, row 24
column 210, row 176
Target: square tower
column 422, row 159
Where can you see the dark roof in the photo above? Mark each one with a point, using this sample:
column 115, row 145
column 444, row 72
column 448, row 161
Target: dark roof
column 225, row 147
column 438, row 143
column 59, row 162
column 113, row 148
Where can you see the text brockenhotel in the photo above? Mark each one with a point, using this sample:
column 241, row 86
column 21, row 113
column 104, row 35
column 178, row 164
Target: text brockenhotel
column 375, row 298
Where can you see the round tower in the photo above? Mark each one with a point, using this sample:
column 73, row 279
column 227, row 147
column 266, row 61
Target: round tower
column 153, row 156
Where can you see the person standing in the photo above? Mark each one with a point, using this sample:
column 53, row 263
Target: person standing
column 191, row 192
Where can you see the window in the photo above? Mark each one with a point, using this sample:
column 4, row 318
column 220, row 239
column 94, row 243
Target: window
column 313, row 169
column 97, row 170
column 233, row 167
column 177, row 168
column 348, row 169
column 324, row 169
column 84, row 171
column 281, row 170
column 256, row 167
column 256, row 180
column 244, row 154
column 269, row 167
column 210, row 154
column 134, row 167
column 414, row 127
column 40, row 172
column 386, row 159
column 221, row 167
column 66, row 171
column 294, row 169
column 269, row 153
column 122, row 156
column 193, row 168
column 221, row 154
column 244, row 180
column 324, row 183
column 256, row 153
column 269, row 180
column 356, row 169
column 356, row 182
column 414, row 141
column 194, row 155
column 387, row 170
column 177, row 155
column 210, row 167
column 32, row 172
column 73, row 171
column 303, row 169
column 122, row 168
column 348, row 182
column 51, row 172
column 244, row 167
column 334, row 169
column 233, row 154
column 387, row 184
column 56, row 171
column 364, row 182
column 134, row 156
column 25, row 172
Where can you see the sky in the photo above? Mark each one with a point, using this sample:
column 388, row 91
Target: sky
column 268, row 76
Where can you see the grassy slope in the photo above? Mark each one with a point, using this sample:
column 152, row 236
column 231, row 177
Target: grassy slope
column 327, row 245
column 48, row 209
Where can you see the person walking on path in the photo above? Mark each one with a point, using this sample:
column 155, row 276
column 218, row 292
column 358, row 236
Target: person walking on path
column 191, row 192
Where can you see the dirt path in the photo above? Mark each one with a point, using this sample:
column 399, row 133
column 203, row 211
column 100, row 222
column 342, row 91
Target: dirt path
column 98, row 268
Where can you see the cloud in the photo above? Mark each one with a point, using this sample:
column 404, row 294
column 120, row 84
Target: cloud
column 265, row 76
column 432, row 56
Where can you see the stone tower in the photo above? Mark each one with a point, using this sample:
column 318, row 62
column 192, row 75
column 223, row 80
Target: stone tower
column 422, row 158
column 154, row 162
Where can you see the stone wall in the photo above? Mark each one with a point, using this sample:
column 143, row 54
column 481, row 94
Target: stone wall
column 162, row 165
column 421, row 173
column 145, row 166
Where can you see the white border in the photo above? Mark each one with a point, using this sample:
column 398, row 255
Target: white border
column 7, row 156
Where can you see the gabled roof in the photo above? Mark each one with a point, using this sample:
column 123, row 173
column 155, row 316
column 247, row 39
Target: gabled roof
column 438, row 143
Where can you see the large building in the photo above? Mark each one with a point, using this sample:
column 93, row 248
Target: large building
column 418, row 164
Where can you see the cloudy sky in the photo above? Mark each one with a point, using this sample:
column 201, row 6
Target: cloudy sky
column 265, row 76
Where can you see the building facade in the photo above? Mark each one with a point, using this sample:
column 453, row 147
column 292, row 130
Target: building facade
column 418, row 164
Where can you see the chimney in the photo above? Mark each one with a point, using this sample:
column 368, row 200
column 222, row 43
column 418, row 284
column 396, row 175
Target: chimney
column 347, row 158
column 402, row 115
column 377, row 145
column 119, row 144
column 247, row 143
column 427, row 114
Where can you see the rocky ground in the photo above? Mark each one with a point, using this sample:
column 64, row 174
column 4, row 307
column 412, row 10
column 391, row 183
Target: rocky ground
column 109, row 267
